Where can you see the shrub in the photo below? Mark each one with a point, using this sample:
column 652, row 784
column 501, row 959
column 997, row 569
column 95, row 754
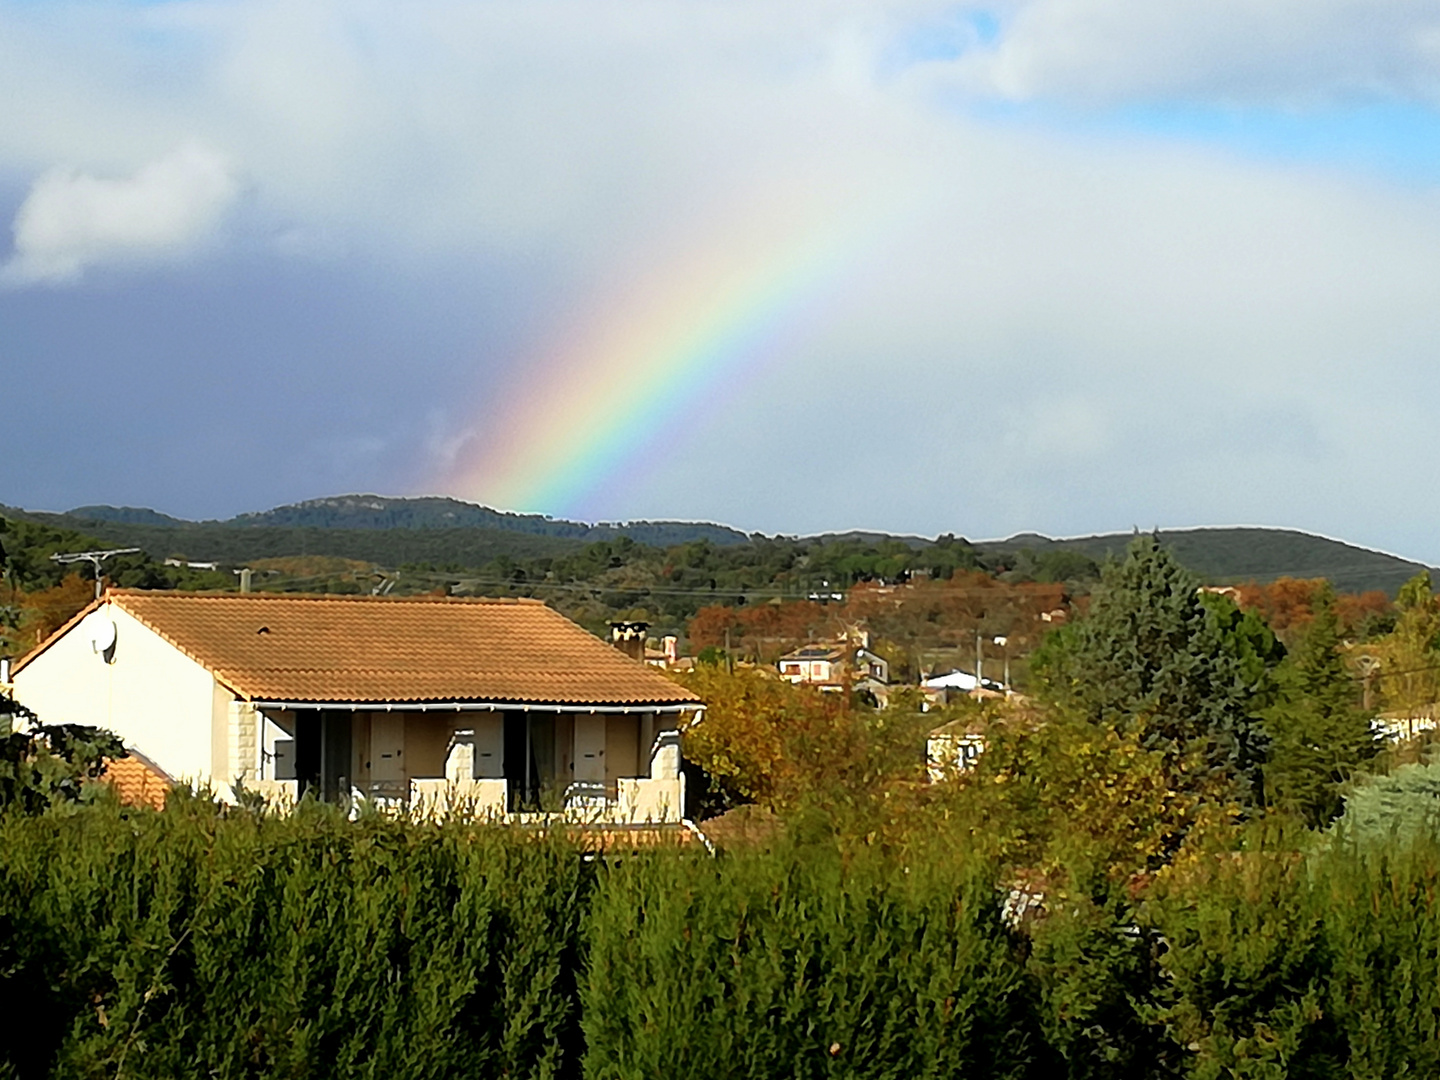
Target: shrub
column 801, row 963
column 197, row 943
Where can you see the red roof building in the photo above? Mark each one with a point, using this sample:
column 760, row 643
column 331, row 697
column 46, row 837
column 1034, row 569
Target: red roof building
column 505, row 705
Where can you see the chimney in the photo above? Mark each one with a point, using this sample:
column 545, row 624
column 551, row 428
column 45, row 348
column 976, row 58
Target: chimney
column 671, row 645
column 245, row 578
column 629, row 638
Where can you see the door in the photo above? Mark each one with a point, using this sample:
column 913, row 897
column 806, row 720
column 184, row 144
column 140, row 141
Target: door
column 387, row 755
column 322, row 753
column 590, row 749
column 622, row 749
column 489, row 747
column 520, row 779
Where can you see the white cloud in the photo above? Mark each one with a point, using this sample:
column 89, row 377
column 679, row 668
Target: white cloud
column 71, row 220
column 1271, row 53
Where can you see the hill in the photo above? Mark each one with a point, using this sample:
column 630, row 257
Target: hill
column 450, row 532
column 382, row 513
column 222, row 542
column 1233, row 555
column 125, row 515
column 438, row 512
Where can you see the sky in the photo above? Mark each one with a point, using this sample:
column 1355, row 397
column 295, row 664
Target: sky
column 1065, row 266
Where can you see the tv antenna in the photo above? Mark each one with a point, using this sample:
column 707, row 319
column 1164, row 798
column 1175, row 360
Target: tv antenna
column 94, row 558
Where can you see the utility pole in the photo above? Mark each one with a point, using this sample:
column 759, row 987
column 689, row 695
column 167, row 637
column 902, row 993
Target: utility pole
column 979, row 661
column 1369, row 668
column 1004, row 644
column 94, row 558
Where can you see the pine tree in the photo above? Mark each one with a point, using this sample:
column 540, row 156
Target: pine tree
column 1320, row 736
column 1154, row 660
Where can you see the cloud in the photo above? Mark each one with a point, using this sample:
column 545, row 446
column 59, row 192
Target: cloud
column 1267, row 53
column 71, row 221
column 1046, row 329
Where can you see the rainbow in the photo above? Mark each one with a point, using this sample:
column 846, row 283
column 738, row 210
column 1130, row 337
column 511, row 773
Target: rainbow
column 623, row 382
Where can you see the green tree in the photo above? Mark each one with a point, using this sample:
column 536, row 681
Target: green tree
column 1186, row 677
column 1406, row 802
column 49, row 764
column 1320, row 737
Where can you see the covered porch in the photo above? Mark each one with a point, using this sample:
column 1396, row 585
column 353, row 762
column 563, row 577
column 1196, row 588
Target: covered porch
column 600, row 763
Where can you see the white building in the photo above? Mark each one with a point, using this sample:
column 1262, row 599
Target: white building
column 504, row 706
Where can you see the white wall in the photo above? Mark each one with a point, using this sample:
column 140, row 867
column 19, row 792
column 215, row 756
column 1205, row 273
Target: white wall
column 153, row 696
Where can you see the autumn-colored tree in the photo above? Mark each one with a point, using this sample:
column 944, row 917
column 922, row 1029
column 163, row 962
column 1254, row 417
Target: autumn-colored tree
column 1409, row 656
column 36, row 615
column 1360, row 614
column 785, row 746
column 940, row 615
column 763, row 632
column 1286, row 603
column 1057, row 790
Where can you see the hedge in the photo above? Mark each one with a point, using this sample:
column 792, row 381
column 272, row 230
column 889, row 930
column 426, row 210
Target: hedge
column 230, row 943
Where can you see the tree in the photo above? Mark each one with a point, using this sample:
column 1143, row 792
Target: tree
column 49, row 764
column 40, row 613
column 764, row 739
column 785, row 747
column 1320, row 737
column 1410, row 655
column 1404, row 803
column 1186, row 678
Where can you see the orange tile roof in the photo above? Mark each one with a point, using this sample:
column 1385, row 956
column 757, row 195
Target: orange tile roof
column 368, row 649
column 138, row 781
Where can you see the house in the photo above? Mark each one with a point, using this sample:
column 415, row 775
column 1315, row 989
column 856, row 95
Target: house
column 814, row 665
column 1406, row 723
column 832, row 666
column 952, row 748
column 940, row 690
column 503, row 705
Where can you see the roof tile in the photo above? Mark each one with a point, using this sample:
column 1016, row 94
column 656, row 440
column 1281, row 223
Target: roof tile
column 137, row 780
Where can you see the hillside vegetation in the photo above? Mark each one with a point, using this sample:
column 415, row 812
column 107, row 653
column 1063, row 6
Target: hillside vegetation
column 1235, row 555
column 392, row 532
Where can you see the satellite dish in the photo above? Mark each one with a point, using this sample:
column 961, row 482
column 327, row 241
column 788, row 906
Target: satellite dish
column 102, row 635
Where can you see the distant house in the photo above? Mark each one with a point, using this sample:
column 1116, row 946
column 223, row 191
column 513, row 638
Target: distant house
column 1406, row 723
column 1230, row 592
column 941, row 689
column 504, row 704
column 952, row 748
column 177, row 561
column 834, row 666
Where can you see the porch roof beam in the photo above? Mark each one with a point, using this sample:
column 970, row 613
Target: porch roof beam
column 472, row 706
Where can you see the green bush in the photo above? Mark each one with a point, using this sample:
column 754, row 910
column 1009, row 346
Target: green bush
column 1319, row 964
column 234, row 944
column 196, row 943
column 801, row 964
